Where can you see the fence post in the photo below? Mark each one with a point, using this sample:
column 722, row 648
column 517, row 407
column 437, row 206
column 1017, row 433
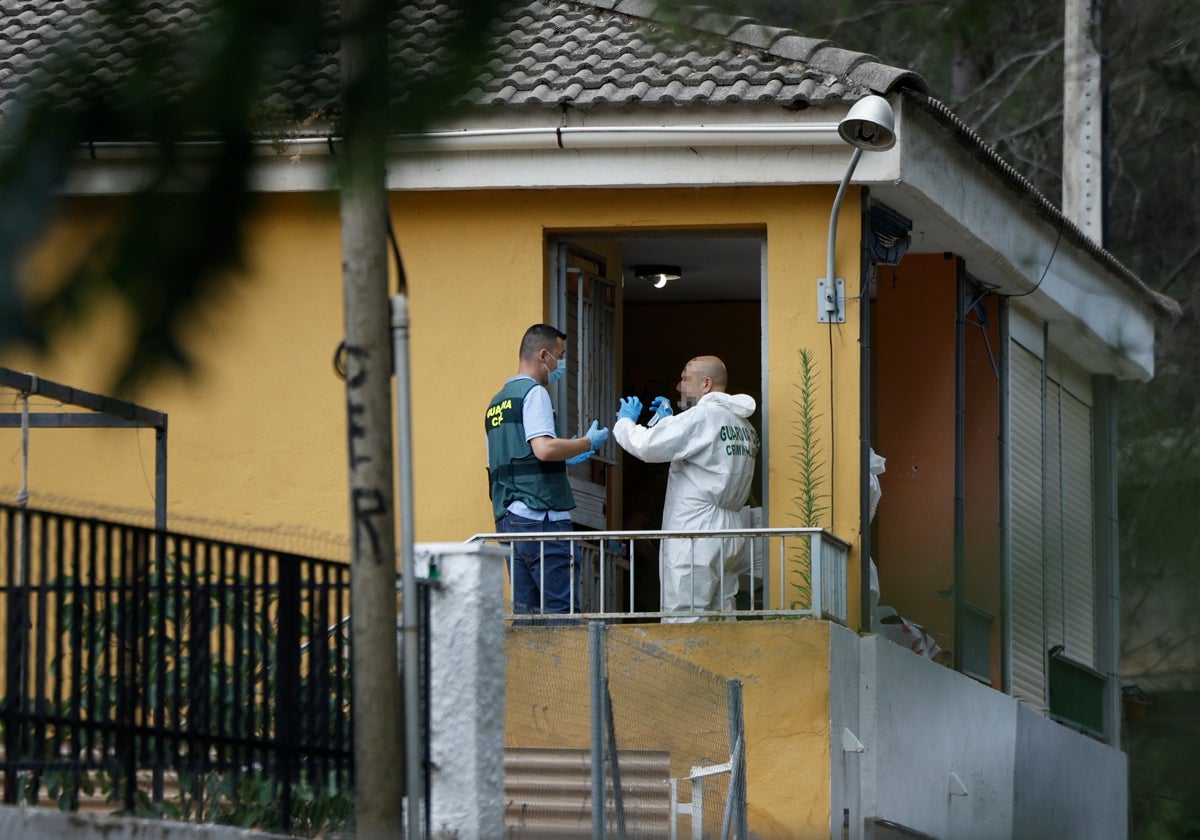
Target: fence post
column 287, row 684
column 596, row 669
column 614, row 763
column 130, row 638
column 737, row 758
column 15, row 638
column 466, row 692
column 816, row 575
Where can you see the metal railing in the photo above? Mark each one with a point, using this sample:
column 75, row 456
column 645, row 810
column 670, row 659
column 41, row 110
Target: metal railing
column 792, row 558
column 175, row 675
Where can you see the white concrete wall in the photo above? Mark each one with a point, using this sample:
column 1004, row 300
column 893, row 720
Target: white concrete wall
column 467, row 664
column 845, row 729
column 46, row 824
column 1069, row 781
column 950, row 758
column 931, row 722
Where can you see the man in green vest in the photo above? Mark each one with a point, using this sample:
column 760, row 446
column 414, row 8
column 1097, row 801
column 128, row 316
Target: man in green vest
column 527, row 474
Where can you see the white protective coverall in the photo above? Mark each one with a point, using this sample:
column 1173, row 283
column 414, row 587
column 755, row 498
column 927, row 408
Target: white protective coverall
column 712, row 449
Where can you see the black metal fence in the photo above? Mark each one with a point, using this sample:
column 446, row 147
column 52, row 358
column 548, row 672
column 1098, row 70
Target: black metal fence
column 173, row 675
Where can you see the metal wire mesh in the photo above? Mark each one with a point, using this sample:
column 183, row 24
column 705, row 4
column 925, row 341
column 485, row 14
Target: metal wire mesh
column 666, row 721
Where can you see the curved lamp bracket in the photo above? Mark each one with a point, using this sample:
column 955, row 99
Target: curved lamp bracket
column 868, row 126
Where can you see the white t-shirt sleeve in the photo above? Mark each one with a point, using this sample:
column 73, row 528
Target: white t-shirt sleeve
column 538, row 414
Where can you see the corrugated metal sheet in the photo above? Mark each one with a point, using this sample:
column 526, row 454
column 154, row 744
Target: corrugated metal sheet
column 548, row 794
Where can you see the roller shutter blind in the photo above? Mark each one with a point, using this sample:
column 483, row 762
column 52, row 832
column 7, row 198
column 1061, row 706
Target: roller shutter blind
column 1025, row 482
column 1052, row 517
column 1053, row 539
column 1079, row 553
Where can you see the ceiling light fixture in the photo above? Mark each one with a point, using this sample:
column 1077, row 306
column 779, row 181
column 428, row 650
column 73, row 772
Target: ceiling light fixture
column 657, row 275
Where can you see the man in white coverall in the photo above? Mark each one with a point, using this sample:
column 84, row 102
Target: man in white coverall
column 712, row 449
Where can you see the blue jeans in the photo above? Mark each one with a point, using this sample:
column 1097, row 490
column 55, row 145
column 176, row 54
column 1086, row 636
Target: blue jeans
column 544, row 576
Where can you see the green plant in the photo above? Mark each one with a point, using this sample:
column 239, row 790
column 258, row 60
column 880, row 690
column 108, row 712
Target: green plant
column 809, row 504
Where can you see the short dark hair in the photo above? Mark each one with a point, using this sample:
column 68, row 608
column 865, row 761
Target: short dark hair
column 538, row 337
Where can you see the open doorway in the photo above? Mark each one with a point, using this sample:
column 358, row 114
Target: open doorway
column 714, row 308
column 936, row 365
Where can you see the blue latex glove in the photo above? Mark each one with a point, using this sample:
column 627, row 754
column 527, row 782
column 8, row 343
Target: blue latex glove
column 596, row 435
column 661, row 406
column 580, row 458
column 631, row 407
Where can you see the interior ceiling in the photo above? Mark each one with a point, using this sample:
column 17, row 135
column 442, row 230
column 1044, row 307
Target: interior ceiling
column 721, row 265
column 714, row 267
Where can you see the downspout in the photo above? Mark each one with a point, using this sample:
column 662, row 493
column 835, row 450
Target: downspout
column 1006, row 628
column 1108, row 590
column 414, row 751
column 960, row 451
column 864, row 424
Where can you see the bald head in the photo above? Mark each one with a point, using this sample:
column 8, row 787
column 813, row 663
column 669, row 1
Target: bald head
column 713, row 368
column 702, row 375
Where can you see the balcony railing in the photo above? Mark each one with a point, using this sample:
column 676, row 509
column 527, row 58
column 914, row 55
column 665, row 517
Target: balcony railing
column 780, row 566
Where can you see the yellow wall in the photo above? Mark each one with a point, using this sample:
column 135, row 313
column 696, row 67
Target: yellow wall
column 257, row 436
column 256, row 432
column 500, row 239
column 784, row 670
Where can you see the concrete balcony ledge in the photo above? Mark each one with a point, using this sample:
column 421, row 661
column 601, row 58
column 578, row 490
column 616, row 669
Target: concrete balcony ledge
column 842, row 725
column 948, row 757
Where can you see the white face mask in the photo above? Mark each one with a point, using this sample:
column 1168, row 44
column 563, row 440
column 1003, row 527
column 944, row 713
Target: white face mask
column 558, row 373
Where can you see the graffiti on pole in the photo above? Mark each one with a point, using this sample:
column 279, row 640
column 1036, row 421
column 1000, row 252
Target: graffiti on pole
column 368, row 503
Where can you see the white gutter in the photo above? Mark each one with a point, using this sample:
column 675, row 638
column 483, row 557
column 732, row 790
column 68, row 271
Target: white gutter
column 500, row 139
column 623, row 137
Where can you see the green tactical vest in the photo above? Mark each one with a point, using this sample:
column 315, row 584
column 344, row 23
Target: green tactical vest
column 514, row 472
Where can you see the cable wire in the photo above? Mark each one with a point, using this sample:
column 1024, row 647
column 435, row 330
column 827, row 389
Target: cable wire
column 1054, row 251
column 832, row 426
column 402, row 280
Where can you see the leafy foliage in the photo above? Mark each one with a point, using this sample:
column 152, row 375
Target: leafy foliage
column 809, row 505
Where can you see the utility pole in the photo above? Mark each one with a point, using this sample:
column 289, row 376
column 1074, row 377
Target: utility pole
column 378, row 748
column 1083, row 172
column 1084, row 197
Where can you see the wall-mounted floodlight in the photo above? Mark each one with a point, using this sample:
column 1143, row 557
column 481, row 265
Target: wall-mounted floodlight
column 657, row 275
column 869, row 126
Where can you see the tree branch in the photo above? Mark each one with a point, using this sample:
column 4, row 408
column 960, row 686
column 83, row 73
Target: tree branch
column 1036, row 55
column 1177, row 272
